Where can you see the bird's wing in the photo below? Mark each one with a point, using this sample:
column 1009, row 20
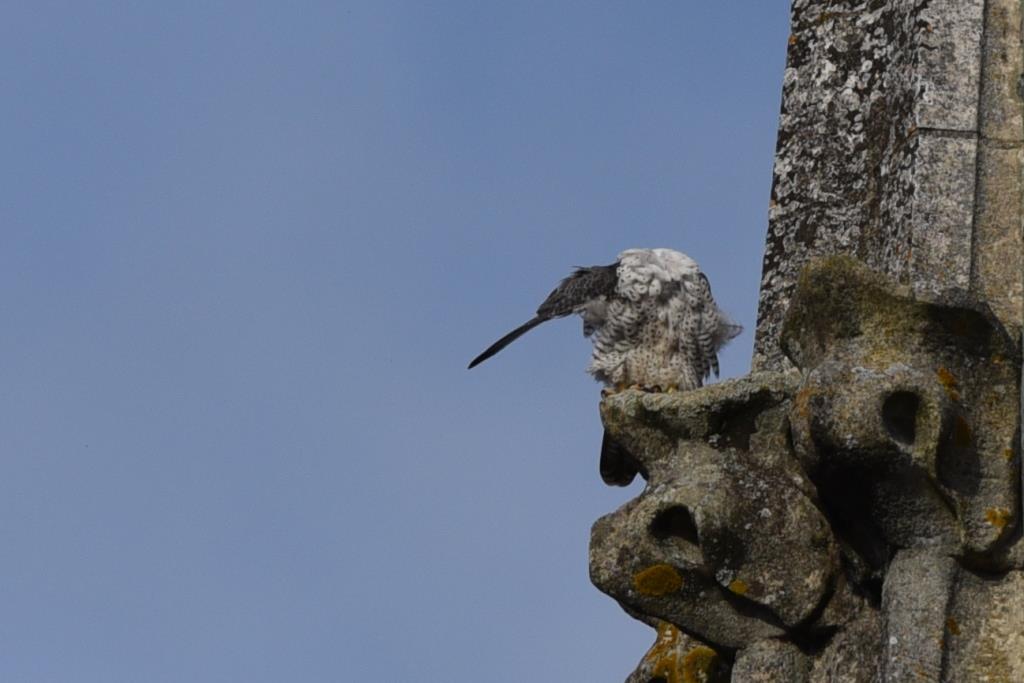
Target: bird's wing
column 572, row 295
column 577, row 290
column 707, row 327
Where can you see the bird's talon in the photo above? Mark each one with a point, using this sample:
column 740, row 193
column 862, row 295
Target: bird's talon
column 616, row 388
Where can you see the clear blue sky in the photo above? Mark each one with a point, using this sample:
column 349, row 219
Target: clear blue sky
column 246, row 251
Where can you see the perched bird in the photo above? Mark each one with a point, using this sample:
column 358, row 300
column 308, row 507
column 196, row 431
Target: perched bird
column 653, row 323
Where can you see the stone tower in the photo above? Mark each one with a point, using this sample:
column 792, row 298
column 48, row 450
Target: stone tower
column 851, row 510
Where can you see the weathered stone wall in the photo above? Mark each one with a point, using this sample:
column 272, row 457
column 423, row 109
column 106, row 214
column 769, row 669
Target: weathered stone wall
column 857, row 521
column 899, row 143
column 851, row 512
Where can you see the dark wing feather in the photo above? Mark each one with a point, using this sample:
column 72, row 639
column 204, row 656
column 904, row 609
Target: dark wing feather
column 571, row 295
column 505, row 341
column 707, row 323
column 714, row 331
column 586, row 284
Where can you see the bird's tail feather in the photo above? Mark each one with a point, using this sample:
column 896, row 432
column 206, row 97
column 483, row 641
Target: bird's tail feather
column 727, row 330
column 506, row 340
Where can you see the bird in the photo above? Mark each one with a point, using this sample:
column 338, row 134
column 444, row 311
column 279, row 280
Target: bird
column 654, row 325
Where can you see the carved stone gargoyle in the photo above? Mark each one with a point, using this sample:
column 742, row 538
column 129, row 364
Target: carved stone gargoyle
column 907, row 414
column 824, row 525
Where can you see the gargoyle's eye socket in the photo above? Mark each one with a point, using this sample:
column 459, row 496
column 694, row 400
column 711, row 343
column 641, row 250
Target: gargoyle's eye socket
column 899, row 415
column 674, row 522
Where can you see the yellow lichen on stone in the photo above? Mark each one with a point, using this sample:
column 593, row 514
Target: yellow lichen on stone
column 668, row 634
column 666, row 662
column 739, row 586
column 657, row 580
column 662, row 657
column 667, row 668
column 998, row 517
column 1008, row 454
column 802, row 402
column 949, row 383
column 699, row 665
